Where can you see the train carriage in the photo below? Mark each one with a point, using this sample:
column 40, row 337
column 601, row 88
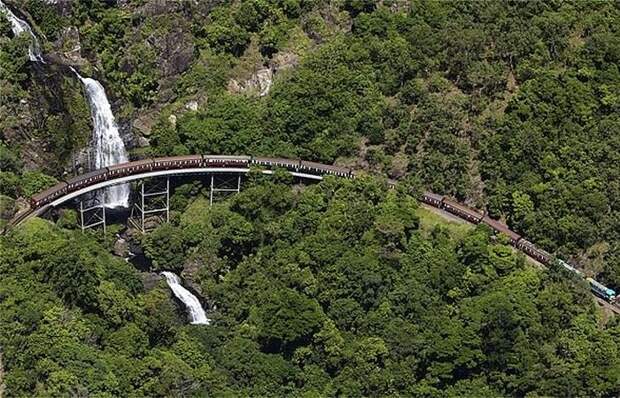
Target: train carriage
column 602, row 291
column 320, row 168
column 89, row 178
column 432, row 199
column 569, row 267
column 226, row 160
column 462, row 211
column 129, row 168
column 531, row 250
column 176, row 162
column 500, row 227
column 45, row 197
column 277, row 162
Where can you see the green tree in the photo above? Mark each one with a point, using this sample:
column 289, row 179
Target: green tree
column 164, row 247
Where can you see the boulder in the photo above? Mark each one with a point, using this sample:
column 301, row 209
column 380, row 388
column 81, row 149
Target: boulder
column 259, row 83
column 143, row 142
column 121, row 248
column 150, row 280
column 192, row 105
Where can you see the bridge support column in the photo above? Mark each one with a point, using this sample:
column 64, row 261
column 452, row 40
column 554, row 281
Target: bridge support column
column 154, row 200
column 227, row 185
column 92, row 216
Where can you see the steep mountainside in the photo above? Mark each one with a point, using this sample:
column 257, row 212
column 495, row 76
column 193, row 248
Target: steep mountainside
column 339, row 288
column 510, row 107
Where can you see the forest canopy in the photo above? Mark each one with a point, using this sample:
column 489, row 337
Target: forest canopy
column 342, row 288
column 339, row 288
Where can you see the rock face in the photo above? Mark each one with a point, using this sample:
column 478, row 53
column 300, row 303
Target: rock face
column 176, row 50
column 259, row 83
column 121, row 248
column 284, row 60
column 68, row 48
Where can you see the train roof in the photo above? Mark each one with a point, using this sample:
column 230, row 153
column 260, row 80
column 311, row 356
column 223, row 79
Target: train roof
column 228, row 157
column 462, row 207
column 49, row 191
column 526, row 242
column 177, row 158
column 433, row 196
column 325, row 166
column 130, row 164
column 604, row 288
column 501, row 227
column 276, row 160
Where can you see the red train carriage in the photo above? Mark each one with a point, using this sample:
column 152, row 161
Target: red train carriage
column 177, row 162
column 226, row 161
column 320, row 168
column 277, row 162
column 531, row 250
column 45, row 197
column 499, row 227
column 432, row 199
column 89, row 178
column 462, row 211
column 129, row 168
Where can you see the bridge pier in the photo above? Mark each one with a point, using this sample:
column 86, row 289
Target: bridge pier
column 153, row 200
column 92, row 216
column 227, row 185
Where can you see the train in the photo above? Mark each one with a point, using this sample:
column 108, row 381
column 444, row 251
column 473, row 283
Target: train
column 181, row 162
column 476, row 217
column 214, row 161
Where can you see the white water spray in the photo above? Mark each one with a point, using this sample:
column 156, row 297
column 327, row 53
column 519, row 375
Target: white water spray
column 108, row 144
column 196, row 312
column 19, row 26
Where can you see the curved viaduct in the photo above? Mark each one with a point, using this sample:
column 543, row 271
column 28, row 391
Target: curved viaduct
column 142, row 176
column 199, row 165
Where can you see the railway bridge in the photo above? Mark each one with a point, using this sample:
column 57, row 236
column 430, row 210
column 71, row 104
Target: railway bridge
column 161, row 170
column 214, row 166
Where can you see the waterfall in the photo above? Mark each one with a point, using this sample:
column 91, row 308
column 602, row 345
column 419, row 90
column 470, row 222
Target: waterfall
column 108, row 144
column 109, row 147
column 196, row 312
column 19, row 26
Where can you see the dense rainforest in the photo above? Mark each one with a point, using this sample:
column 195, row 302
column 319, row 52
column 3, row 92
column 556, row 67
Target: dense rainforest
column 336, row 289
column 342, row 288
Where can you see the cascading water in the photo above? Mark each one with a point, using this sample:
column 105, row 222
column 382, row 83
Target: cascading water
column 108, row 144
column 196, row 312
column 19, row 26
column 109, row 147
